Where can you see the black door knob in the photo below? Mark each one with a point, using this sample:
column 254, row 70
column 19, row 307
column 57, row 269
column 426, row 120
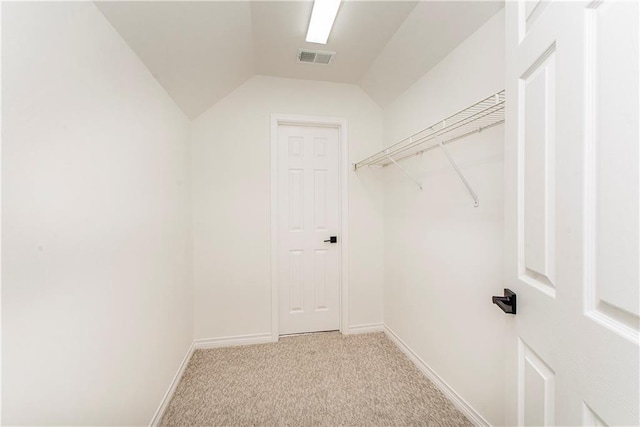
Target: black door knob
column 332, row 239
column 507, row 303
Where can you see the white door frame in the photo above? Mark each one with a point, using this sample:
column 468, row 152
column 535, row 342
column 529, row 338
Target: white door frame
column 343, row 199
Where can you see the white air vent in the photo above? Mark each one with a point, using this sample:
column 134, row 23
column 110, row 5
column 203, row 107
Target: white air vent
column 315, row 56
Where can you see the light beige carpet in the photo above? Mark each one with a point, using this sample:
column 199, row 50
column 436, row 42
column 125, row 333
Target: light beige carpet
column 316, row 379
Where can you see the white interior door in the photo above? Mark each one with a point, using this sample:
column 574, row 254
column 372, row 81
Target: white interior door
column 308, row 206
column 572, row 164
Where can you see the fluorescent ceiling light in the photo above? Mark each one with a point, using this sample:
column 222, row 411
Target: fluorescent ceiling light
column 322, row 17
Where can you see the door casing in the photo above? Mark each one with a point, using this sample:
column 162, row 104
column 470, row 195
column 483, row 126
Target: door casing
column 341, row 124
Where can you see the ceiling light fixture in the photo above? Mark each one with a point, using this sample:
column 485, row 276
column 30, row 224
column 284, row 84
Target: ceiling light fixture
column 322, row 17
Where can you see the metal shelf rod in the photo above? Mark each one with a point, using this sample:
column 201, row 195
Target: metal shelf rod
column 432, row 147
column 477, row 116
column 496, row 97
column 481, row 115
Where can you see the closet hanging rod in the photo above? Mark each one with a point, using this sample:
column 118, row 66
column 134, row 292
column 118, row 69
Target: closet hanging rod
column 482, row 115
column 478, row 121
column 444, row 142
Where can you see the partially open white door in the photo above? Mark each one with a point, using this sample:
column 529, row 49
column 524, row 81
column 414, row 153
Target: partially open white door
column 573, row 191
column 308, row 217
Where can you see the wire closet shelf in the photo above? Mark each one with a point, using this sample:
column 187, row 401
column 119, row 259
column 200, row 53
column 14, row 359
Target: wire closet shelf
column 480, row 116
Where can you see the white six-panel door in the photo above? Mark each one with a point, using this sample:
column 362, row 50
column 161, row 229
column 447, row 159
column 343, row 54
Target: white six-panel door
column 308, row 206
column 573, row 196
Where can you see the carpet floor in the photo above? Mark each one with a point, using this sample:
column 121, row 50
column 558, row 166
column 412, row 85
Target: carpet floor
column 315, row 379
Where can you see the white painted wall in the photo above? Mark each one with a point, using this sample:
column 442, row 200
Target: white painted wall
column 231, row 195
column 97, row 305
column 443, row 257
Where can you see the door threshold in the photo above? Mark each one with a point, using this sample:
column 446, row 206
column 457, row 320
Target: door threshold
column 299, row 334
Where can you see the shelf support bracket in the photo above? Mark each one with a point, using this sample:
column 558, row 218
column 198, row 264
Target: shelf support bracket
column 472, row 193
column 403, row 171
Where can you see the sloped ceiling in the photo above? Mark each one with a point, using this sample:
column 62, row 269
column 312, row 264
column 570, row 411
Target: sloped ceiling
column 201, row 51
column 198, row 51
column 432, row 30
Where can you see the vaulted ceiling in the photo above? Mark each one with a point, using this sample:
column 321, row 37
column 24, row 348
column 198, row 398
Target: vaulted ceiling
column 201, row 51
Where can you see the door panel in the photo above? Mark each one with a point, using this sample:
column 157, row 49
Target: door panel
column 612, row 73
column 573, row 212
column 308, row 200
column 536, row 392
column 537, row 198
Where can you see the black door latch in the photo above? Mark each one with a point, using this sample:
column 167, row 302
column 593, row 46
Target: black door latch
column 332, row 239
column 507, row 303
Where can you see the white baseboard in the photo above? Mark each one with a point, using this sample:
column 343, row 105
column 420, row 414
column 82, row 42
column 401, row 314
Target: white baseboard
column 157, row 417
column 366, row 328
column 473, row 415
column 233, row 341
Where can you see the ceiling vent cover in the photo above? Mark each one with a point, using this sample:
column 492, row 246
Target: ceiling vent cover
column 315, row 56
